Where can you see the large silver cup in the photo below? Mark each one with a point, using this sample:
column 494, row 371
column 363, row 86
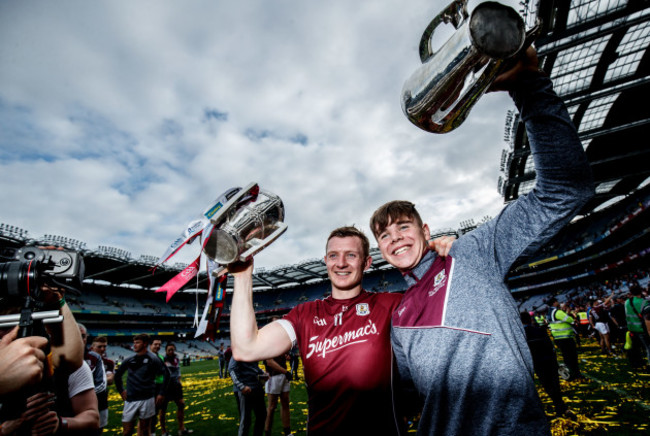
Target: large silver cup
column 439, row 94
column 243, row 228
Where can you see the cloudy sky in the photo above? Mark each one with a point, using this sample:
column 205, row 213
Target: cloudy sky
column 121, row 121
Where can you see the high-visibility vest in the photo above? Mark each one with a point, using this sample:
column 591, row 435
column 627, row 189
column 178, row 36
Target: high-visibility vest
column 560, row 324
column 633, row 320
column 583, row 319
column 540, row 320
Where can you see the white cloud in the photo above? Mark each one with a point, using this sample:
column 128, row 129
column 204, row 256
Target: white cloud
column 107, row 136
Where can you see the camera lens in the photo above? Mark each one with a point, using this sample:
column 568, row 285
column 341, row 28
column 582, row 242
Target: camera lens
column 19, row 278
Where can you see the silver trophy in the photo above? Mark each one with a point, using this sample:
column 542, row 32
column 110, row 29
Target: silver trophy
column 250, row 220
column 439, row 94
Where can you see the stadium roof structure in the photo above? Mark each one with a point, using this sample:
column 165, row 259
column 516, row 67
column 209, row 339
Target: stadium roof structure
column 596, row 52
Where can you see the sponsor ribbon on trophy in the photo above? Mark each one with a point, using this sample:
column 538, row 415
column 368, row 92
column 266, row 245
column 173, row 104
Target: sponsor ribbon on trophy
column 209, row 324
column 240, row 223
column 201, row 227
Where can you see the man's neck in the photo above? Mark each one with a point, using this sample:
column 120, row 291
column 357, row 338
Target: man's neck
column 345, row 294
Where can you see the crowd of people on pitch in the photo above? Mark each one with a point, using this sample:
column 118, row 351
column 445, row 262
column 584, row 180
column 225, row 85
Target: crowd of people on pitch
column 610, row 312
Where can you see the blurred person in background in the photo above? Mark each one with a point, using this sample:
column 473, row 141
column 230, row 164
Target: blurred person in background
column 637, row 327
column 173, row 392
column 142, row 391
column 247, row 382
column 96, row 364
column 278, row 387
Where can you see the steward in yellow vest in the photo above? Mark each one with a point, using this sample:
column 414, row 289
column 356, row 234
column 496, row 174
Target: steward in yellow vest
column 562, row 331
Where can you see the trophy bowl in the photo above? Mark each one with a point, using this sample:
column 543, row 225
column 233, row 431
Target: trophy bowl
column 247, row 223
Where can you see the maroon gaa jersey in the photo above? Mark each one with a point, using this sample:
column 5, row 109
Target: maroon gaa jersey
column 346, row 354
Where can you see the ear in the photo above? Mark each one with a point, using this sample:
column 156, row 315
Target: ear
column 368, row 263
column 425, row 230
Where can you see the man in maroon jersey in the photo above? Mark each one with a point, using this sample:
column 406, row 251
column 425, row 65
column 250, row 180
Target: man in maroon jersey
column 344, row 341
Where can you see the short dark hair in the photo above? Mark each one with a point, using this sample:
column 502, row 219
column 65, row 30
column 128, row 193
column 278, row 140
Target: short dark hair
column 636, row 290
column 170, row 344
column 391, row 212
column 351, row 232
column 143, row 337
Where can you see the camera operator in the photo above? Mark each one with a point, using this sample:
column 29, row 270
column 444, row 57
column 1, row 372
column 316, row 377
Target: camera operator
column 61, row 398
column 74, row 407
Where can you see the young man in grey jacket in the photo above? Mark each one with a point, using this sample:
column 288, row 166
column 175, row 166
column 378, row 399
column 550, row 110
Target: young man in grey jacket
column 457, row 336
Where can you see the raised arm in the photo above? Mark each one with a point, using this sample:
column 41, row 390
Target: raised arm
column 563, row 176
column 248, row 342
column 70, row 351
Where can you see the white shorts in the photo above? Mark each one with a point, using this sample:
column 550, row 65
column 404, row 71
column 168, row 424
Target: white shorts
column 277, row 384
column 103, row 418
column 143, row 409
column 602, row 328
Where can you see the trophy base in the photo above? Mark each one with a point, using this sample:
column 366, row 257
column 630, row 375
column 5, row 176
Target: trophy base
column 497, row 30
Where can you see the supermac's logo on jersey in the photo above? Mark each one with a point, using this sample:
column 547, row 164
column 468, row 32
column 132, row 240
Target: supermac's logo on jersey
column 363, row 309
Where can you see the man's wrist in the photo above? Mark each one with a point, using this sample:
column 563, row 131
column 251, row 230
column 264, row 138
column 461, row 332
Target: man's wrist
column 63, row 426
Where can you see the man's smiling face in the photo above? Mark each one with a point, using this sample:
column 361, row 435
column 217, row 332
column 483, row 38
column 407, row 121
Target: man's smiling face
column 345, row 266
column 403, row 243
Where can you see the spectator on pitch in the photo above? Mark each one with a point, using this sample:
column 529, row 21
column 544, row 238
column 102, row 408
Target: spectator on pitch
column 561, row 326
column 545, row 362
column 247, row 381
column 344, row 341
column 618, row 328
column 96, row 364
column 457, row 336
column 600, row 321
column 173, row 392
column 635, row 306
column 142, row 392
column 99, row 345
column 222, row 360
column 278, row 387
column 154, row 347
column 582, row 327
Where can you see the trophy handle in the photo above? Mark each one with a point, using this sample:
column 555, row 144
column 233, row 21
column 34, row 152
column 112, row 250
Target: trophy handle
column 225, row 209
column 258, row 244
column 455, row 14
